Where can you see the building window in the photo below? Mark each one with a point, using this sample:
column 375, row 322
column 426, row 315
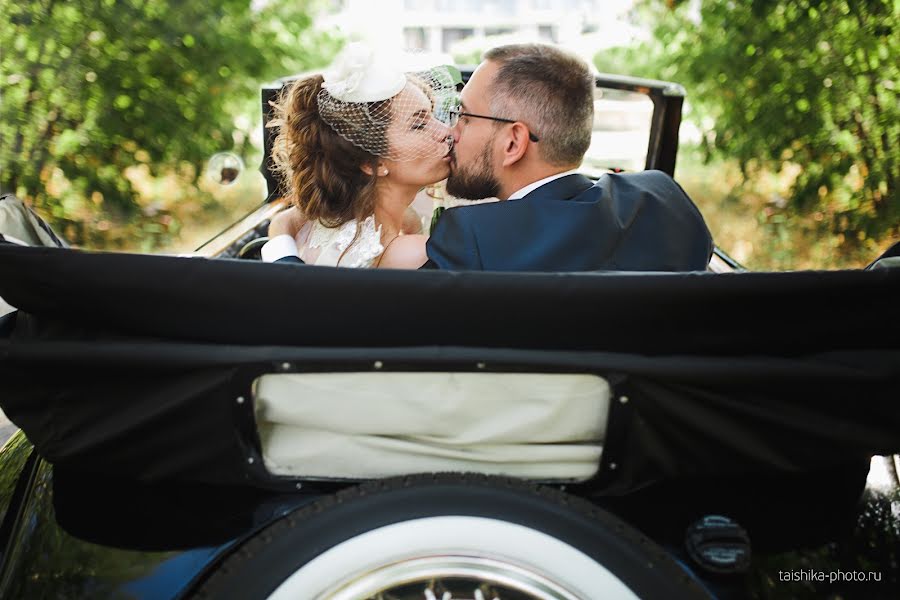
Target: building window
column 416, row 4
column 453, row 35
column 415, row 38
column 503, row 7
column 547, row 33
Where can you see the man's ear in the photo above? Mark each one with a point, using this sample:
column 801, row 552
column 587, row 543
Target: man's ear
column 515, row 144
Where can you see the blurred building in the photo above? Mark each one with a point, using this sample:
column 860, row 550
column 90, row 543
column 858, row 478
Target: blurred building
column 464, row 26
column 460, row 30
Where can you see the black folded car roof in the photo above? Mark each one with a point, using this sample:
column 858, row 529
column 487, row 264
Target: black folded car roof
column 130, row 364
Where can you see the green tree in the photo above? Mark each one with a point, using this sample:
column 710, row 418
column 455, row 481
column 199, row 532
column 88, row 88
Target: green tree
column 93, row 87
column 782, row 84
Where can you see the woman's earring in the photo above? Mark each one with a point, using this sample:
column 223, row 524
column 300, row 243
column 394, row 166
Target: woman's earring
column 386, row 171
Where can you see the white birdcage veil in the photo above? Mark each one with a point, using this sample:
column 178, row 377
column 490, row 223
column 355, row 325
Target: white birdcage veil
column 368, row 99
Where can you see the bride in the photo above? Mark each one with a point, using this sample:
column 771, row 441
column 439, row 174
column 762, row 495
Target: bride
column 353, row 149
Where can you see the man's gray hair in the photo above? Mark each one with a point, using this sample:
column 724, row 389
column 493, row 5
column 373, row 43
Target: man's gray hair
column 551, row 91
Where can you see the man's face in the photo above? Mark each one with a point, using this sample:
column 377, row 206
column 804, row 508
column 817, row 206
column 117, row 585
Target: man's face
column 472, row 174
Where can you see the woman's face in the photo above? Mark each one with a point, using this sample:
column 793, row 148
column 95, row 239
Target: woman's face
column 421, row 141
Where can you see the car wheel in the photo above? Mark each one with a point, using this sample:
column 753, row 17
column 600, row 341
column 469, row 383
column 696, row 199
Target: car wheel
column 450, row 536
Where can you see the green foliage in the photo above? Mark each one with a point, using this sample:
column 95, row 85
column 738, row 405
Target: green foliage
column 472, row 57
column 97, row 89
column 750, row 218
column 803, row 87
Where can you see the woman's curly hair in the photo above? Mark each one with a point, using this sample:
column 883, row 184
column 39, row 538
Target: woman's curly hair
column 320, row 171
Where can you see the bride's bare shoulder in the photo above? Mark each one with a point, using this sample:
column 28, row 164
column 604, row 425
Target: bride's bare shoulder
column 405, row 252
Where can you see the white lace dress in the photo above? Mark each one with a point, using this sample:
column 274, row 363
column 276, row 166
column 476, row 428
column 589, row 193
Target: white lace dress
column 320, row 245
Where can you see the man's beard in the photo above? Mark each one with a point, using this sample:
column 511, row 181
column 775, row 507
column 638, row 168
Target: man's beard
column 476, row 183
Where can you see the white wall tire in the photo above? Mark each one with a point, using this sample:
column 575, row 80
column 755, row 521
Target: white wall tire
column 535, row 561
column 452, row 530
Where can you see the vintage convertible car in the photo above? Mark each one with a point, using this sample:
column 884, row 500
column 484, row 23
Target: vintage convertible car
column 197, row 428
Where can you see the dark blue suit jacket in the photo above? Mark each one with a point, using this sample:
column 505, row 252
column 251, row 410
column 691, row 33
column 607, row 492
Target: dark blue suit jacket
column 634, row 222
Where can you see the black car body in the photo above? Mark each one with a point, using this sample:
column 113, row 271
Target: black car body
column 141, row 472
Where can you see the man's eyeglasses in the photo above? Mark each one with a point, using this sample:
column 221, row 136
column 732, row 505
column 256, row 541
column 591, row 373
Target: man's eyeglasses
column 456, row 113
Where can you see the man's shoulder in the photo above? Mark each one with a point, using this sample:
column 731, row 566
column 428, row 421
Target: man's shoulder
column 471, row 215
column 650, row 179
column 482, row 207
column 487, row 208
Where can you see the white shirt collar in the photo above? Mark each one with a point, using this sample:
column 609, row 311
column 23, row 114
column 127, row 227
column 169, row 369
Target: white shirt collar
column 533, row 186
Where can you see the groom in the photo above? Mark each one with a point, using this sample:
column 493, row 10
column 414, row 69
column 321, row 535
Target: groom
column 523, row 128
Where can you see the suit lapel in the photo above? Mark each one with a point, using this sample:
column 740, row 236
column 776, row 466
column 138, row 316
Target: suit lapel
column 564, row 188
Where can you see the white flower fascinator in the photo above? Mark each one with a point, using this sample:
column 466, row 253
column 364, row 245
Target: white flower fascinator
column 357, row 75
column 369, row 100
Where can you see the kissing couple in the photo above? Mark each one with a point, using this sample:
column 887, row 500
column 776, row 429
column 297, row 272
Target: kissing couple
column 355, row 145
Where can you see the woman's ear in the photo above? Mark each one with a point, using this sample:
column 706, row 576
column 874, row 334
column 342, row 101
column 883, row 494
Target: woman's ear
column 370, row 169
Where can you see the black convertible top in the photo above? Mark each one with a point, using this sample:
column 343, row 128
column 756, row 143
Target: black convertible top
column 123, row 363
column 251, row 303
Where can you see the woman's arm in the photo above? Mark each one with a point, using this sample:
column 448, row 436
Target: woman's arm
column 288, row 222
column 283, row 231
